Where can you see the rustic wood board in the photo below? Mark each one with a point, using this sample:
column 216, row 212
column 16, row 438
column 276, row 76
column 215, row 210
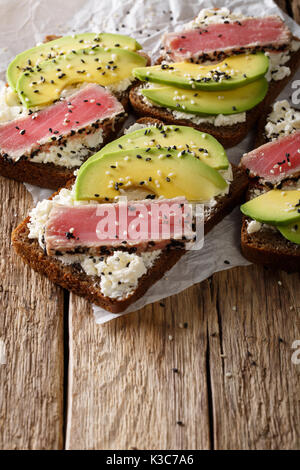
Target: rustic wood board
column 255, row 386
column 123, row 392
column 31, row 332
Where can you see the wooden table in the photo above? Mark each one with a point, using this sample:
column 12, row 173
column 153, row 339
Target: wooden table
column 68, row 383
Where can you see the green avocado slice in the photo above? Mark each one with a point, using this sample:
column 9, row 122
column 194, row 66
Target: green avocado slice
column 231, row 73
column 275, row 207
column 159, row 171
column 105, row 66
column 26, row 60
column 208, row 102
column 291, row 232
column 205, row 146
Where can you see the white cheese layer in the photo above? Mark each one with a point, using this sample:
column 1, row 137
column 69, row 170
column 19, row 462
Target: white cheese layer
column 10, row 106
column 253, row 226
column 218, row 120
column 283, row 120
column 210, row 16
column 120, row 86
column 119, row 273
column 277, row 68
column 72, row 154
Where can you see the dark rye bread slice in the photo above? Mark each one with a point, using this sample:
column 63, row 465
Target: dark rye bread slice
column 228, row 136
column 267, row 246
column 49, row 175
column 72, row 277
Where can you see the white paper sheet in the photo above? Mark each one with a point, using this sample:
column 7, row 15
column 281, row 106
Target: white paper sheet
column 23, row 25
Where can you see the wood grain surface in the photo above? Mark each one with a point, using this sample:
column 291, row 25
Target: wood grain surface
column 209, row 368
column 31, row 334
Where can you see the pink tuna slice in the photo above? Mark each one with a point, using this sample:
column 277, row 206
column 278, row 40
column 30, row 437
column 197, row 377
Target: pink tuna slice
column 269, row 32
column 275, row 160
column 86, row 227
column 81, row 109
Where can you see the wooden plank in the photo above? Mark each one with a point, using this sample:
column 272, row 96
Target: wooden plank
column 255, row 386
column 295, row 4
column 31, row 333
column 123, row 393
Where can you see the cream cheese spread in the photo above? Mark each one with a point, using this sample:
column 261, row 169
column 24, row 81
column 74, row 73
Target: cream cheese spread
column 283, row 120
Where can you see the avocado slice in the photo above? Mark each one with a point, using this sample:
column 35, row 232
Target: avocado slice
column 291, row 232
column 231, row 73
column 205, row 146
column 104, row 66
column 209, row 102
column 162, row 172
column 275, row 207
column 26, row 60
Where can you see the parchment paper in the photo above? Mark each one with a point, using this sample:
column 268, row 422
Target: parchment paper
column 25, row 24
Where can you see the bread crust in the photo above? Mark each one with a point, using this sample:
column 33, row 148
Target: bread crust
column 73, row 279
column 270, row 249
column 267, row 246
column 48, row 175
column 228, row 136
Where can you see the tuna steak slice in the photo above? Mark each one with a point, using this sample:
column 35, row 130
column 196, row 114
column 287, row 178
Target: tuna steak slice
column 224, row 38
column 275, row 160
column 101, row 228
column 87, row 106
